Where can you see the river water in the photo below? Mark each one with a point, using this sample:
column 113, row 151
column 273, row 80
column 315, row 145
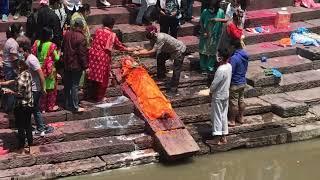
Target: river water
column 297, row 161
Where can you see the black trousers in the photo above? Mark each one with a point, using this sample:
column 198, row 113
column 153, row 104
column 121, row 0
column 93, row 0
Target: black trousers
column 169, row 25
column 23, row 123
column 177, row 68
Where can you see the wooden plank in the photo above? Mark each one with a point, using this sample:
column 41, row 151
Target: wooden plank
column 172, row 137
column 177, row 143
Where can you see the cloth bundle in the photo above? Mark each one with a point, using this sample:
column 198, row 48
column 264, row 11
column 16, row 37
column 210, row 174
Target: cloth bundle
column 303, row 36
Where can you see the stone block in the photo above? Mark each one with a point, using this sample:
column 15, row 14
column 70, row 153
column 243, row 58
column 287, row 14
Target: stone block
column 14, row 160
column 286, row 106
column 138, row 157
column 316, row 64
column 311, row 53
column 311, row 95
column 53, row 171
column 190, row 96
column 73, row 150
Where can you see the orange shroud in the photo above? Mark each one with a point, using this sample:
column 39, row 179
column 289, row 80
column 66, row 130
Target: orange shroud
column 151, row 100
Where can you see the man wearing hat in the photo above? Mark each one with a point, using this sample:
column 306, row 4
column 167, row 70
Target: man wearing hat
column 165, row 47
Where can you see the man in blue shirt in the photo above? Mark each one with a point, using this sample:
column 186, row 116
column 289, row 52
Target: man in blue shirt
column 239, row 62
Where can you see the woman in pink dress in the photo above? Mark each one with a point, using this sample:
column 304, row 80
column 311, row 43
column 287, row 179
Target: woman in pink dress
column 100, row 58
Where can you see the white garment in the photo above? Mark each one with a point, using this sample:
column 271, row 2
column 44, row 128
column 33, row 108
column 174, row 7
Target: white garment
column 220, row 99
column 229, row 13
column 61, row 13
column 219, row 117
column 71, row 4
column 221, row 82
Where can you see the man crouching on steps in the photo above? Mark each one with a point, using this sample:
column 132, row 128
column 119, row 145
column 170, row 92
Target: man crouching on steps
column 219, row 93
column 165, row 47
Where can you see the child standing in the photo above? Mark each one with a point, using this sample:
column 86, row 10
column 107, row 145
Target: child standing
column 23, row 103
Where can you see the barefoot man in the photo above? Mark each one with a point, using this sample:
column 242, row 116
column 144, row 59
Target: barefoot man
column 239, row 62
column 219, row 93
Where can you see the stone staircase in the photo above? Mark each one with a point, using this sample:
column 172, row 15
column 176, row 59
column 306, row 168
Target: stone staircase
column 112, row 135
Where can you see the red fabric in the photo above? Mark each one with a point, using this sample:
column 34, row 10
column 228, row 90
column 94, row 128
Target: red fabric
column 100, row 54
column 234, row 31
column 49, row 100
column 48, row 64
column 3, row 151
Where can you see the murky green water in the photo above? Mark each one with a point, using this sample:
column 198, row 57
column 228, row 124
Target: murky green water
column 298, row 161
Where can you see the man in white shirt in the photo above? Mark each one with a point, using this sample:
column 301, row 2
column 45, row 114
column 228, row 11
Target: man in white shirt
column 219, row 93
column 38, row 85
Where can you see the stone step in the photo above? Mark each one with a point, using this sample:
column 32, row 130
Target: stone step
column 285, row 105
column 268, row 137
column 285, row 64
column 80, row 130
column 202, row 131
column 200, row 113
column 277, row 34
column 265, row 17
column 293, row 82
column 122, row 15
column 83, row 166
column 312, row 53
column 75, row 150
column 270, row 50
column 293, row 103
column 116, row 106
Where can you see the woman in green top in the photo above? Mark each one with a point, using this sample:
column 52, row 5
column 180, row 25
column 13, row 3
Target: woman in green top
column 47, row 53
column 211, row 25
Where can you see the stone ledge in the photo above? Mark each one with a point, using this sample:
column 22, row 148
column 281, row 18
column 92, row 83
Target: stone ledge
column 130, row 159
column 52, row 171
column 268, row 137
column 80, row 130
column 202, row 131
column 69, row 151
column 293, row 82
column 312, row 53
column 285, row 106
column 200, row 113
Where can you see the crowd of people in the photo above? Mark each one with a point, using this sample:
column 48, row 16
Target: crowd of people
column 64, row 8
column 34, row 62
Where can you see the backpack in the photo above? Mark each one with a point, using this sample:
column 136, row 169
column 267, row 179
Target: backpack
column 31, row 26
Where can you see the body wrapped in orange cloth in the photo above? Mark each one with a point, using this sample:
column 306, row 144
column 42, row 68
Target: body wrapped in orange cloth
column 151, row 100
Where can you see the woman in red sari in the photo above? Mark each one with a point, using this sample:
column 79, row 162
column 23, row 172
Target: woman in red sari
column 100, row 58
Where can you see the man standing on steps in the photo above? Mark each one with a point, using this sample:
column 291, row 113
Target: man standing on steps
column 75, row 61
column 165, row 47
column 239, row 62
column 38, row 86
column 219, row 94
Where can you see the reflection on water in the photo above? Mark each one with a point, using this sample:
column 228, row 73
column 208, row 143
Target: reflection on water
column 298, row 161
